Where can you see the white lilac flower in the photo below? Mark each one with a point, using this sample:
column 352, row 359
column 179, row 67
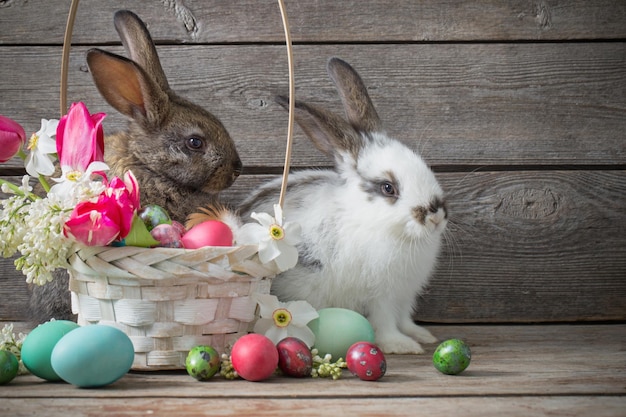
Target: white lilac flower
column 277, row 240
column 43, row 246
column 14, row 209
column 42, row 147
column 13, row 344
column 279, row 320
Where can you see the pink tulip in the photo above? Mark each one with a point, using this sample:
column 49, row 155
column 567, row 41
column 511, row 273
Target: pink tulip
column 110, row 218
column 123, row 199
column 12, row 138
column 80, row 138
column 133, row 188
column 94, row 224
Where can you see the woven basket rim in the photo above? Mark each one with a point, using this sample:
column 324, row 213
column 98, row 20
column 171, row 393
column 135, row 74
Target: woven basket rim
column 122, row 262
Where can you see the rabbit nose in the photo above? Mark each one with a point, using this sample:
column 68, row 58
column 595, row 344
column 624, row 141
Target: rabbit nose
column 437, row 218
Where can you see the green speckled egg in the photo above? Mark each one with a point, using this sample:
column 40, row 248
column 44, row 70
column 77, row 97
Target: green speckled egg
column 8, row 366
column 153, row 215
column 202, row 362
column 452, row 357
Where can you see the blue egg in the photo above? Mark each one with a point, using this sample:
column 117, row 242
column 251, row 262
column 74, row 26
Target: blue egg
column 93, row 356
column 336, row 329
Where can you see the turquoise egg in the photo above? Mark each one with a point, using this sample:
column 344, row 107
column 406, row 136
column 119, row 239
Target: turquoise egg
column 93, row 356
column 452, row 356
column 336, row 329
column 38, row 345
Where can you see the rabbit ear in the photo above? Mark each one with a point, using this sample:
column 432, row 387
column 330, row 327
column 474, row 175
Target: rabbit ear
column 126, row 86
column 330, row 134
column 139, row 45
column 357, row 103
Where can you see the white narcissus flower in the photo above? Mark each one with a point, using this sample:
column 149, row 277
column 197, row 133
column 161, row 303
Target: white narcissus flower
column 41, row 146
column 277, row 240
column 72, row 179
column 279, row 320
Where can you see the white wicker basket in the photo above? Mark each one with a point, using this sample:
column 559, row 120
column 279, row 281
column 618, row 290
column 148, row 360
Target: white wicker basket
column 169, row 300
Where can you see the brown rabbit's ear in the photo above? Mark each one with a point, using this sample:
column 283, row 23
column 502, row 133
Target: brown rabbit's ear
column 126, row 86
column 329, row 133
column 356, row 101
column 139, row 45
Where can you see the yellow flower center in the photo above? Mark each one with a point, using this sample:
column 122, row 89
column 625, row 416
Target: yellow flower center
column 74, row 175
column 277, row 232
column 282, row 317
column 32, row 142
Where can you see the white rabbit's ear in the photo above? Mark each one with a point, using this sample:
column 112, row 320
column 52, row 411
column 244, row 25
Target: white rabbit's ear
column 126, row 86
column 139, row 45
column 329, row 133
column 356, row 101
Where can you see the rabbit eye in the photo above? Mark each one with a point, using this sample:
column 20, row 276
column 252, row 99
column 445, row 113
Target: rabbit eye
column 195, row 143
column 388, row 189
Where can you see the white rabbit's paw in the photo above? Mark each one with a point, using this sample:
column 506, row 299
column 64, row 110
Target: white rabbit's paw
column 398, row 343
column 418, row 333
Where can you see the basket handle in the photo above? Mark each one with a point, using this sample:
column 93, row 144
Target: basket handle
column 292, row 93
column 67, row 41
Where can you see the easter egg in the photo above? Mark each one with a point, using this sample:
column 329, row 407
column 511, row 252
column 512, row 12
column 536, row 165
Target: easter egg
column 9, row 366
column 93, row 356
column 294, row 357
column 202, row 362
column 336, row 329
column 167, row 235
column 254, row 357
column 208, row 233
column 153, row 215
column 38, row 345
column 366, row 360
column 179, row 227
column 452, row 356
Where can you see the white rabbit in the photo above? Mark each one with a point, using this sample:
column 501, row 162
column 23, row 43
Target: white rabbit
column 371, row 227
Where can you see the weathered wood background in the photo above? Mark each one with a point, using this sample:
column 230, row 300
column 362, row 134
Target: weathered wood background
column 519, row 106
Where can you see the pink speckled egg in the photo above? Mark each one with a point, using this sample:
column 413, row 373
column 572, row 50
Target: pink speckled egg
column 208, row 233
column 179, row 226
column 167, row 235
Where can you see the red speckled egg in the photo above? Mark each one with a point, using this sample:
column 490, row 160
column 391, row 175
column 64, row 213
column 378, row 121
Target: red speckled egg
column 208, row 233
column 294, row 357
column 254, row 357
column 367, row 361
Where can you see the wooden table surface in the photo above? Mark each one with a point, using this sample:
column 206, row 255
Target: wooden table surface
column 533, row 370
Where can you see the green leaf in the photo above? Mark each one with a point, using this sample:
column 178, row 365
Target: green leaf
column 139, row 235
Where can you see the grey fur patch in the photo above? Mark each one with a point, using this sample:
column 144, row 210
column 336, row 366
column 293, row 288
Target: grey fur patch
column 420, row 213
column 374, row 187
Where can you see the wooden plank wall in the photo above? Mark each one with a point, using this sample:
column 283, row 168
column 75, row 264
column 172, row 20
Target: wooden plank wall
column 519, row 106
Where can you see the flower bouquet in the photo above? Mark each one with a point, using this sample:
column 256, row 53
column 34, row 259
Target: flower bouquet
column 166, row 299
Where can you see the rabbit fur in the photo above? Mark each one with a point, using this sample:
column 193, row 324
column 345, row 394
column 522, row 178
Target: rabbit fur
column 371, row 228
column 180, row 154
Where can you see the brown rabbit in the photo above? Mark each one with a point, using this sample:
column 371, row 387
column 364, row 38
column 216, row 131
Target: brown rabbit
column 180, row 154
